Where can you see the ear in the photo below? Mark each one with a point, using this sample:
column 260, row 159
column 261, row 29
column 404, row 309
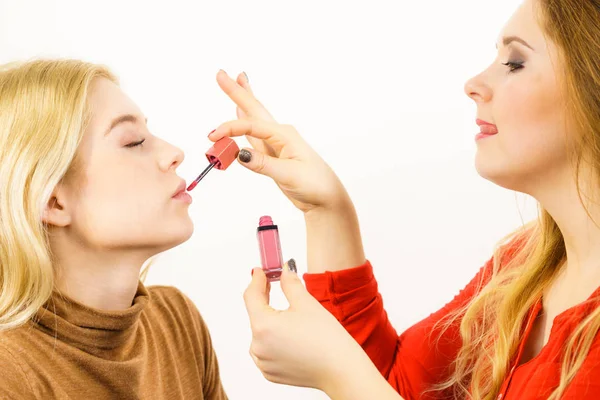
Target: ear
column 56, row 212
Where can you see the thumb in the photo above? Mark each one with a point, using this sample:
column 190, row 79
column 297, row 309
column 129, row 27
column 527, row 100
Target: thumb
column 275, row 168
column 291, row 285
column 256, row 296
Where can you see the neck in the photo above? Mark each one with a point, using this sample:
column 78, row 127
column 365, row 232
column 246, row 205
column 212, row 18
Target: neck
column 101, row 279
column 577, row 219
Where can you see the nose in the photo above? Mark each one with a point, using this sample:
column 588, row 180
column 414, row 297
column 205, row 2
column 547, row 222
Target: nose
column 478, row 90
column 171, row 158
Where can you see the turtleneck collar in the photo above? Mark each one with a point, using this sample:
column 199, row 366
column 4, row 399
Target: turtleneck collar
column 88, row 328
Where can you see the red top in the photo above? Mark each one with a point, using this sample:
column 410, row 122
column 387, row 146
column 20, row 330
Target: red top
column 419, row 357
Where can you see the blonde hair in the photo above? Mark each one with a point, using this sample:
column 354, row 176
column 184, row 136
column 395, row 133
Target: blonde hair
column 491, row 324
column 43, row 114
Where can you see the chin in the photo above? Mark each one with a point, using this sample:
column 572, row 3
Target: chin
column 184, row 232
column 173, row 236
column 500, row 175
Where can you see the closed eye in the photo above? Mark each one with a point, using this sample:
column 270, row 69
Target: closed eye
column 134, row 144
column 513, row 66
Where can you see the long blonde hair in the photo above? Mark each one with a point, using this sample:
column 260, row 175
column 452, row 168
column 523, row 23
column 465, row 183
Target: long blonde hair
column 43, row 114
column 491, row 324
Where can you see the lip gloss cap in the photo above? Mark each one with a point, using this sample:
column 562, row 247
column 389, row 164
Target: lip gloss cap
column 223, row 153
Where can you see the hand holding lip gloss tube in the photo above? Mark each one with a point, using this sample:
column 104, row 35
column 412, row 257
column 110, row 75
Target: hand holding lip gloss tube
column 305, row 345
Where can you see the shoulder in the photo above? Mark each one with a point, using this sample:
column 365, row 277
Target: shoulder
column 168, row 296
column 586, row 383
column 177, row 323
column 514, row 245
column 15, row 382
column 506, row 259
column 510, row 253
column 175, row 306
column 8, row 352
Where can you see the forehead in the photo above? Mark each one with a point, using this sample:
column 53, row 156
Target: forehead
column 107, row 101
column 525, row 23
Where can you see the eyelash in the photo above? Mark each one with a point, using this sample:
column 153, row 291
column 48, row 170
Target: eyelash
column 134, row 144
column 513, row 65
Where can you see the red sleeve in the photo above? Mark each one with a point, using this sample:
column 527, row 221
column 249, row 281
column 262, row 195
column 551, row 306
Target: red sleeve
column 411, row 362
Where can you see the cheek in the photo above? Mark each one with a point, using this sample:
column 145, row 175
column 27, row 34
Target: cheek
column 531, row 139
column 111, row 186
column 533, row 124
column 109, row 208
column 122, row 206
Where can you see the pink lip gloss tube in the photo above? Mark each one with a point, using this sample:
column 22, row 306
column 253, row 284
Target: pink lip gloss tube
column 270, row 248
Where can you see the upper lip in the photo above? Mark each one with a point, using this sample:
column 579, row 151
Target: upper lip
column 180, row 188
column 482, row 122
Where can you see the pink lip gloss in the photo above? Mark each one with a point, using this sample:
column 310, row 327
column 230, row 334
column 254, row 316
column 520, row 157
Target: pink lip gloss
column 270, row 248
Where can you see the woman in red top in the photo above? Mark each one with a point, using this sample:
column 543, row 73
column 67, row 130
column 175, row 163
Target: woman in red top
column 526, row 326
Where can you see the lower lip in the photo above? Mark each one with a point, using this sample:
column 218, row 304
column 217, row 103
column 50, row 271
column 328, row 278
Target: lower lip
column 480, row 136
column 183, row 196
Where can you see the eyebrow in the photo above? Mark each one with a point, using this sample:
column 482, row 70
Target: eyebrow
column 122, row 119
column 506, row 40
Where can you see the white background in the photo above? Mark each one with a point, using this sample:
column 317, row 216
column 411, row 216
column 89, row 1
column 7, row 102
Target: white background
column 377, row 89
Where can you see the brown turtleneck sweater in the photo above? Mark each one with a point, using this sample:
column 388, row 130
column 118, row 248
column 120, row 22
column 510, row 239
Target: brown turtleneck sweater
column 159, row 348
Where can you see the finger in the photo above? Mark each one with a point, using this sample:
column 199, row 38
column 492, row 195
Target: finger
column 244, row 82
column 239, row 113
column 291, row 285
column 256, row 296
column 258, row 144
column 281, row 171
column 244, row 99
column 274, row 134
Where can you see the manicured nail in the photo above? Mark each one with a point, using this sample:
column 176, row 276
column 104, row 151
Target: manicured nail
column 292, row 265
column 252, row 272
column 211, row 132
column 245, row 156
column 246, row 75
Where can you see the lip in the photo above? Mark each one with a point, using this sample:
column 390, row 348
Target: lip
column 486, row 128
column 480, row 136
column 181, row 194
column 481, row 122
column 180, row 188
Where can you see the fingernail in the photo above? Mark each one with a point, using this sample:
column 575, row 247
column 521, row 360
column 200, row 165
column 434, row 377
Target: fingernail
column 292, row 265
column 246, row 75
column 211, row 132
column 252, row 272
column 245, row 156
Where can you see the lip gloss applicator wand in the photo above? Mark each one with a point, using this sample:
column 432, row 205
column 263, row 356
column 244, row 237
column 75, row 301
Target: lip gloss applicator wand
column 220, row 156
